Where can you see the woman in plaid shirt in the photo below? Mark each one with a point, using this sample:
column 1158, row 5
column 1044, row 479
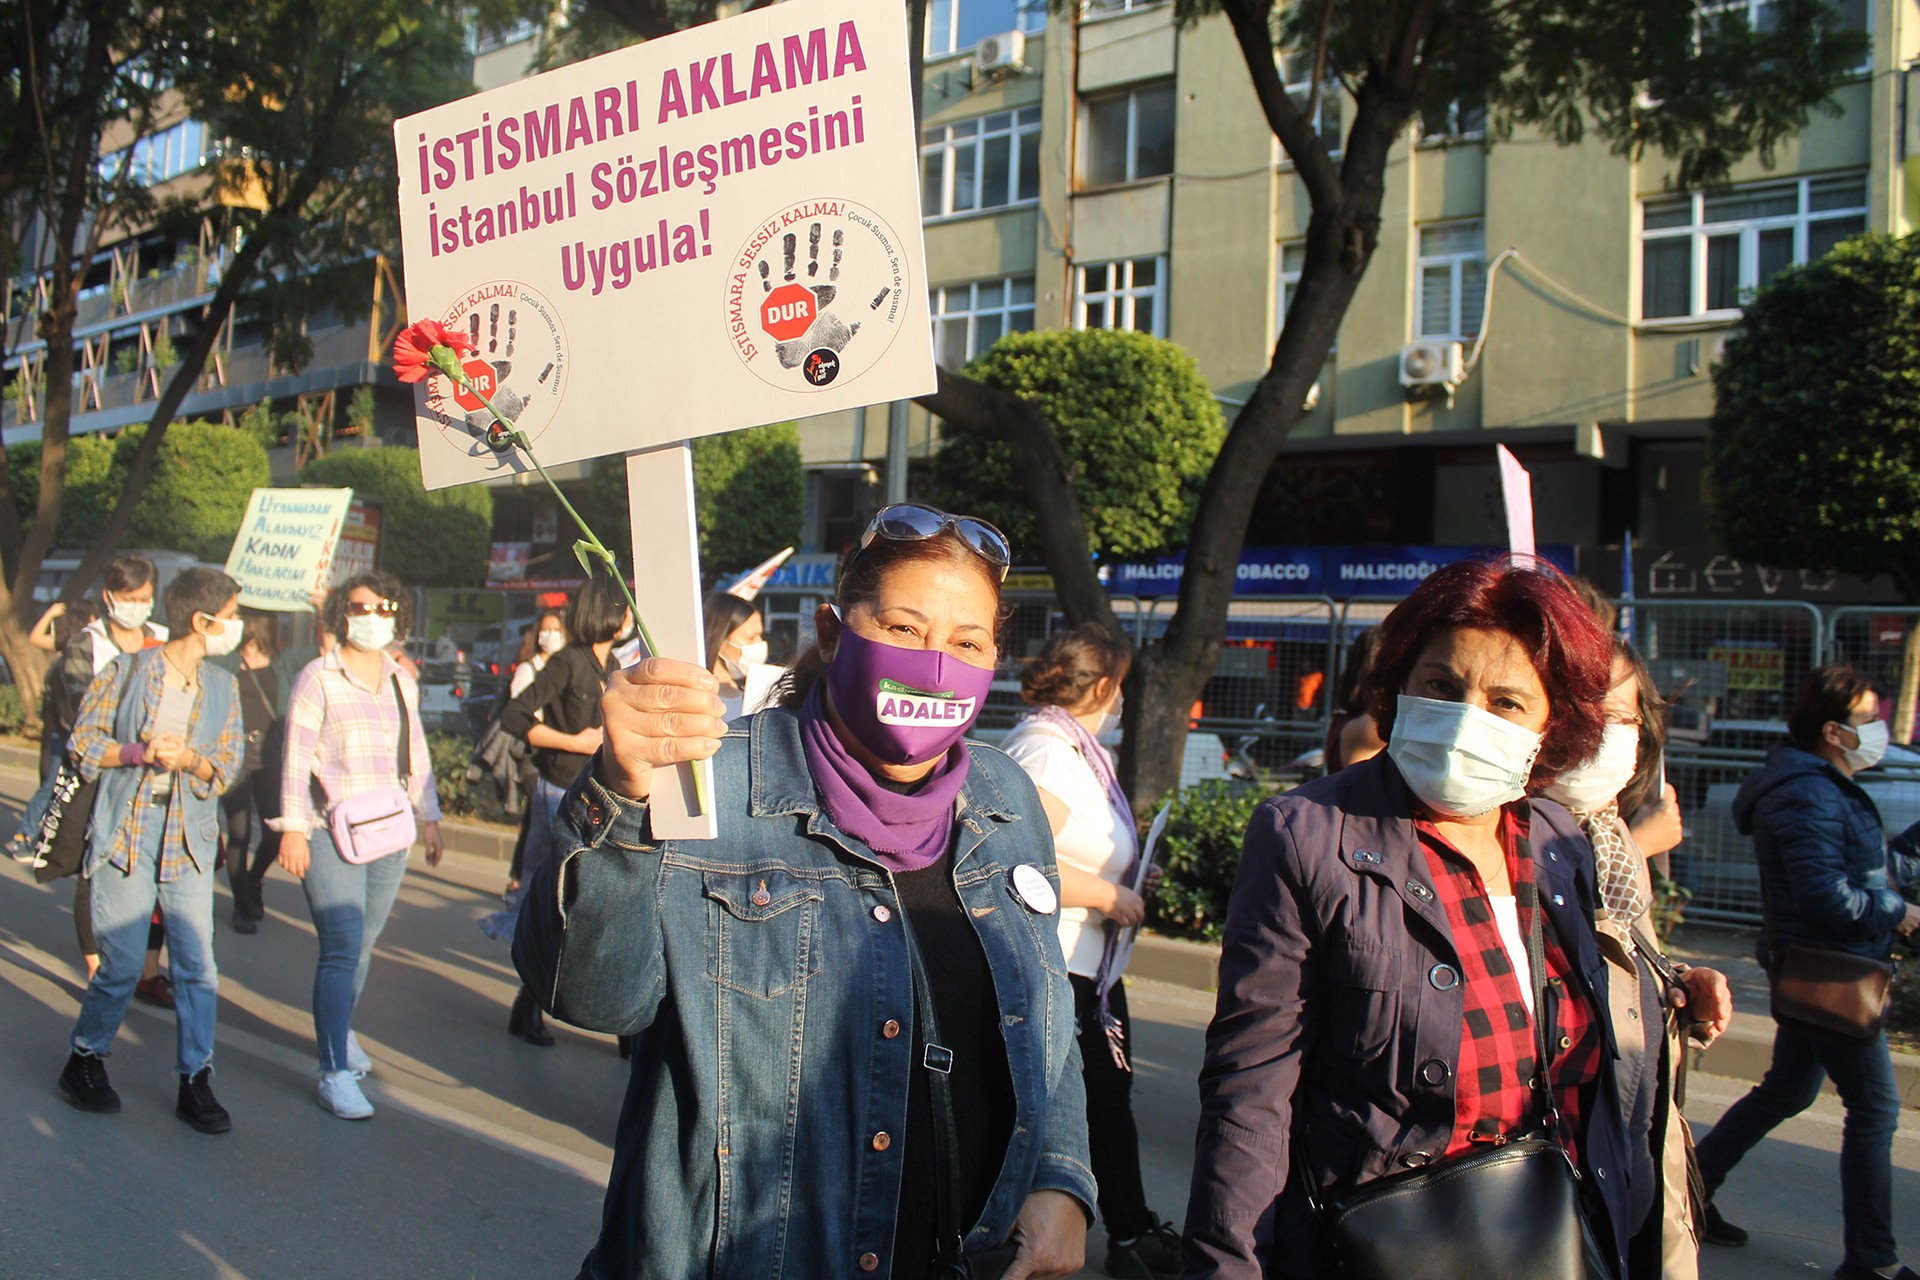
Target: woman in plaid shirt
column 1377, row 1003
column 344, row 721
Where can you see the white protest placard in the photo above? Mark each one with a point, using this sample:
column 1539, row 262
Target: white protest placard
column 285, row 546
column 711, row 230
column 1516, row 493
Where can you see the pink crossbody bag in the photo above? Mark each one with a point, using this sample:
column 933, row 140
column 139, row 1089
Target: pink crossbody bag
column 378, row 823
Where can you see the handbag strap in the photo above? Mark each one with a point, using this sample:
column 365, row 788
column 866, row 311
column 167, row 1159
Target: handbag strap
column 406, row 736
column 1537, row 962
column 937, row 1059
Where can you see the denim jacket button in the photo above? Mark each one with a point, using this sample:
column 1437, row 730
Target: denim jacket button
column 882, row 1140
column 882, row 914
column 869, row 1262
column 890, row 1029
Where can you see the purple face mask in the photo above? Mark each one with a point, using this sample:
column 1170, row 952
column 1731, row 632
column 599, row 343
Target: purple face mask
column 907, row 706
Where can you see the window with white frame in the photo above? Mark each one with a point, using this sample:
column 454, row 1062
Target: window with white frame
column 980, row 164
column 1128, row 135
column 969, row 318
column 1290, row 262
column 1763, row 16
column 1120, row 295
column 1456, row 120
column 954, row 26
column 1702, row 254
column 159, row 156
column 1452, row 271
column 1297, row 70
column 1100, row 8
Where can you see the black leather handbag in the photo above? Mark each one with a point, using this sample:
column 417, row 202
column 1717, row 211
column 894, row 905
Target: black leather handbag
column 1834, row 991
column 1511, row 1210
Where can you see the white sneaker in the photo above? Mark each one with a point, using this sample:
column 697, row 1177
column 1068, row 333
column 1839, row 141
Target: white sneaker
column 340, row 1094
column 357, row 1060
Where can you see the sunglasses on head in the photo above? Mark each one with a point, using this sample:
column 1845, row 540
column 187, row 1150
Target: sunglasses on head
column 361, row 609
column 915, row 522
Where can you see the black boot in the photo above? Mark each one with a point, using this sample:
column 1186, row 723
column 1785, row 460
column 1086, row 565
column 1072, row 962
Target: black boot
column 526, row 1021
column 197, row 1105
column 1717, row 1230
column 84, row 1081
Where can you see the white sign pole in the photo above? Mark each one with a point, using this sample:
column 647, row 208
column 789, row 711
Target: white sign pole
column 666, row 584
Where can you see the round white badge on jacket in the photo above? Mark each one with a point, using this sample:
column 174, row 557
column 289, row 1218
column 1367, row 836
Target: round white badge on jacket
column 1034, row 889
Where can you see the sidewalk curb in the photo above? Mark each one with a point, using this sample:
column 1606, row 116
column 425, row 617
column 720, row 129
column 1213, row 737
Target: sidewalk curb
column 1743, row 1053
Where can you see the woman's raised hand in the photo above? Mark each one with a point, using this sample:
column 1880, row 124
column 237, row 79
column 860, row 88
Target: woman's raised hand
column 657, row 712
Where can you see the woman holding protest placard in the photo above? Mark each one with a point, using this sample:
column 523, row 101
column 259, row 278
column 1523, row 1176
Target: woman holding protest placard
column 864, row 958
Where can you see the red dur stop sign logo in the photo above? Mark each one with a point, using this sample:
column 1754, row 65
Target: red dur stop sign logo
column 481, row 374
column 788, row 311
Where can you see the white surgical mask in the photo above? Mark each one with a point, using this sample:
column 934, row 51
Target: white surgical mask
column 225, row 636
column 371, row 631
column 1600, row 780
column 130, row 614
column 1461, row 761
column 1872, row 748
column 552, row 642
column 752, row 654
column 1110, row 721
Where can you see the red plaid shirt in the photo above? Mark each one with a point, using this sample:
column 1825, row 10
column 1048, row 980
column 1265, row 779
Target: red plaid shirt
column 1497, row 1059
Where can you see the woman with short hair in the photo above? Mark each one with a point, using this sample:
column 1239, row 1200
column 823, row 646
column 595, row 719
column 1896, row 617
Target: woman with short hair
column 1828, row 880
column 1380, row 1007
column 853, row 1033
column 351, row 711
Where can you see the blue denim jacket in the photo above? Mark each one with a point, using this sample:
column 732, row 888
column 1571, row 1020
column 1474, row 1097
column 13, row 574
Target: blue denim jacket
column 765, row 980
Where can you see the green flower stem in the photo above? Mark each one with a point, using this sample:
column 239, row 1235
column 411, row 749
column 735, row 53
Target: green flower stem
column 447, row 360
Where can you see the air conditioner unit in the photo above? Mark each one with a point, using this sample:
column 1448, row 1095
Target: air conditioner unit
column 1431, row 364
column 1001, row 55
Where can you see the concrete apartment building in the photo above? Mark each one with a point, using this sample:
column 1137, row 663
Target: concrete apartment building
column 1116, row 171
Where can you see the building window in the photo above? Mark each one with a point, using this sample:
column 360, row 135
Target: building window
column 1701, row 255
column 954, row 26
column 1452, row 270
column 160, row 156
column 1293, row 260
column 969, row 318
column 980, row 164
column 1297, row 69
column 1120, row 295
column 1453, row 122
column 1129, row 135
column 1763, row 16
column 1102, row 8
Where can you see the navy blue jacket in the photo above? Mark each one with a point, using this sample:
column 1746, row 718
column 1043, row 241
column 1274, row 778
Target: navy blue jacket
column 1329, row 1037
column 1824, row 859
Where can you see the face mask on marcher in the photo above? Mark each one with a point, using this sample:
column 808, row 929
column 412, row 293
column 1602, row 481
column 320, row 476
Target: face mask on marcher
column 371, row 631
column 907, row 706
column 1110, row 720
column 552, row 642
column 1600, row 780
column 1461, row 761
column 1871, row 748
column 752, row 654
column 225, row 636
column 129, row 614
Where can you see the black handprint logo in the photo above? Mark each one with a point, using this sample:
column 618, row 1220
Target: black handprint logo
column 509, row 402
column 824, row 331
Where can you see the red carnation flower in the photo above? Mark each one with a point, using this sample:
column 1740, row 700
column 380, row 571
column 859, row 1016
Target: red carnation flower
column 413, row 350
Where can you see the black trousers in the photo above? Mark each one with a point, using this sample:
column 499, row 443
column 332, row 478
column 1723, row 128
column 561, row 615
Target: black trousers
column 1113, row 1139
column 246, row 809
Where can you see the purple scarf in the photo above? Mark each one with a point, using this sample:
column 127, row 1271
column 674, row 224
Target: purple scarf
column 905, row 832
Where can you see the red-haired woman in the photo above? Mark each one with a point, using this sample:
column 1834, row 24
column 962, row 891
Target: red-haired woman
column 1378, row 990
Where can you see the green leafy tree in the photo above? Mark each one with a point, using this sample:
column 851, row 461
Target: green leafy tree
column 1132, row 412
column 202, row 479
column 750, row 495
column 304, row 94
column 90, row 491
column 1814, row 454
column 436, row 539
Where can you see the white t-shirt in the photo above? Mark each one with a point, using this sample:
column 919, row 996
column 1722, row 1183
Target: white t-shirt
column 1088, row 841
column 1506, row 918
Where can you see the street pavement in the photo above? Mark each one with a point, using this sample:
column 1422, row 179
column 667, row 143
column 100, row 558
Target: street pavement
column 487, row 1157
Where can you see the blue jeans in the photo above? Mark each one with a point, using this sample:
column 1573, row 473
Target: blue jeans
column 122, row 909
column 349, row 905
column 543, row 805
column 1862, row 1072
